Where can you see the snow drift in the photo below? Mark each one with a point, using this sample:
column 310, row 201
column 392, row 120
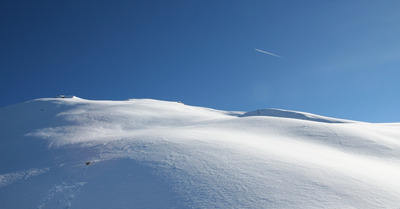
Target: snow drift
column 154, row 154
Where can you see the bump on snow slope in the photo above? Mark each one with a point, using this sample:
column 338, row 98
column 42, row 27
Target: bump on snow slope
column 155, row 154
column 294, row 114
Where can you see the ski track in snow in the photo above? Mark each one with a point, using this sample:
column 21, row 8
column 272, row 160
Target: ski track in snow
column 61, row 195
column 9, row 178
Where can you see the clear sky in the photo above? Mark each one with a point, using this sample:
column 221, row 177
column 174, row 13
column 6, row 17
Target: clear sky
column 335, row 58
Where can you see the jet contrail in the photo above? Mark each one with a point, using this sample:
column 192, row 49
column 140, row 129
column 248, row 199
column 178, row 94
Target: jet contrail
column 269, row 53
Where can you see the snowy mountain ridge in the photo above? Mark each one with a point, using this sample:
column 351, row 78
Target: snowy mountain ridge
column 294, row 115
column 144, row 153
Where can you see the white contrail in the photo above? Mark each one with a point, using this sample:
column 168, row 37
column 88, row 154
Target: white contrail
column 269, row 53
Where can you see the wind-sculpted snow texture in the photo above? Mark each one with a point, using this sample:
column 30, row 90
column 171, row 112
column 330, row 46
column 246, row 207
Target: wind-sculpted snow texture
column 294, row 115
column 144, row 153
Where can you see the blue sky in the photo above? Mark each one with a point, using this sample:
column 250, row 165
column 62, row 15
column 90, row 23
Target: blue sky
column 339, row 58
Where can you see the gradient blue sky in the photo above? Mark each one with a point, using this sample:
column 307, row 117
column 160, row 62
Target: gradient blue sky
column 339, row 58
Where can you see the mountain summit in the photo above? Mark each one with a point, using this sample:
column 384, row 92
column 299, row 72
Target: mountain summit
column 69, row 152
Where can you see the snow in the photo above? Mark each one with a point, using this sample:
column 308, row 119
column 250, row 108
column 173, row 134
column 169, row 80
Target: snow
column 156, row 154
column 294, row 115
column 9, row 178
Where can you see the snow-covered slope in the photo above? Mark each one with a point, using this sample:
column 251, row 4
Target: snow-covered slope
column 154, row 154
column 294, row 115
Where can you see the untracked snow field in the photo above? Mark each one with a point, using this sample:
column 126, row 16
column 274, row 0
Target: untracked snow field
column 143, row 153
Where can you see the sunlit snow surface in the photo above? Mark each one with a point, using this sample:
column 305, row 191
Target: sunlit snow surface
column 154, row 154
